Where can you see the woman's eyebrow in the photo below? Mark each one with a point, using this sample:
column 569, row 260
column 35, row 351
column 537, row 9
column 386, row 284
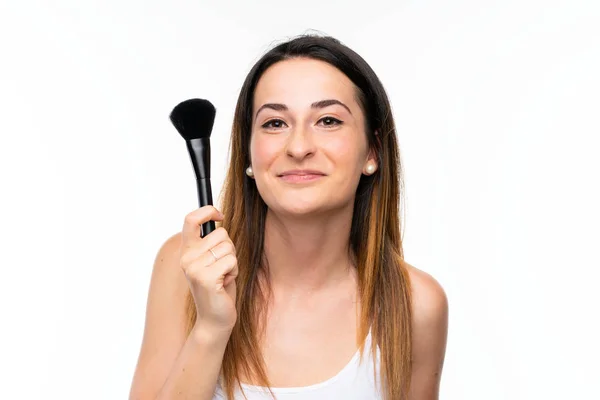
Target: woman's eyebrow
column 317, row 104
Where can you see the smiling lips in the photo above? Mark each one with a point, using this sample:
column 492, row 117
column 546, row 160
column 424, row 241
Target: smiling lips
column 301, row 175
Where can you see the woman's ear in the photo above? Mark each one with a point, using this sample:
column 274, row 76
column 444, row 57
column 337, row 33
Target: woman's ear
column 377, row 137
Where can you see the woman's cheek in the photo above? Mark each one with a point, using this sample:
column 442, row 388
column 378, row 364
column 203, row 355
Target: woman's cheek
column 264, row 150
column 341, row 148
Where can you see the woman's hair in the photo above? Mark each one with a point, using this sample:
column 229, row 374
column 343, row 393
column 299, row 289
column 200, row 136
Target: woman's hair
column 375, row 240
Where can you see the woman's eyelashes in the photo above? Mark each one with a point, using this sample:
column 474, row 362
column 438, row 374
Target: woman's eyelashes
column 269, row 124
column 276, row 123
column 332, row 121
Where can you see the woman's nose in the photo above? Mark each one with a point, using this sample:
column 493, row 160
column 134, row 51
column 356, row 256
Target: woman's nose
column 300, row 144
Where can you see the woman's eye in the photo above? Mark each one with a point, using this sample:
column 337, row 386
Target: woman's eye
column 330, row 121
column 274, row 123
column 278, row 124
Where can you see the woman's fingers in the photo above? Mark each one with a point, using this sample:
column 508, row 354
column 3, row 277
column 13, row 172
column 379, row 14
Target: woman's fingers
column 193, row 222
column 202, row 254
column 210, row 265
column 224, row 270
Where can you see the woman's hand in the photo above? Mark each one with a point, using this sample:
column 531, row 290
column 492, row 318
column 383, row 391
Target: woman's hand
column 210, row 266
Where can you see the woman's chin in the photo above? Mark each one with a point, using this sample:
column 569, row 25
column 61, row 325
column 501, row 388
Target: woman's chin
column 298, row 212
column 311, row 203
column 299, row 209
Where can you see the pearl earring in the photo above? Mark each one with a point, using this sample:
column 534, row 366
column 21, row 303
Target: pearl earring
column 370, row 169
column 249, row 172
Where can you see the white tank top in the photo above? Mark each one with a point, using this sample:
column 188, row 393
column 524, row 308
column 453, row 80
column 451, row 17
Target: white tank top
column 356, row 381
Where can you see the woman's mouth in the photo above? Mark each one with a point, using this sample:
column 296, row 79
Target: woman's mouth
column 299, row 176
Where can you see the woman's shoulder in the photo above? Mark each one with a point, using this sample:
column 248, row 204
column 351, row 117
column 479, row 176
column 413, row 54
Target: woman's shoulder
column 429, row 332
column 171, row 244
column 430, row 303
column 167, row 269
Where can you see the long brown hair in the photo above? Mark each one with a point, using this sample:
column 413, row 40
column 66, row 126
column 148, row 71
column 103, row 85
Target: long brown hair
column 375, row 239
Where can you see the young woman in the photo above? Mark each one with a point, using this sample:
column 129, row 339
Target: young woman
column 303, row 291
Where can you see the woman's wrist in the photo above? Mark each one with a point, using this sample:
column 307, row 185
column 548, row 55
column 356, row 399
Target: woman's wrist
column 203, row 333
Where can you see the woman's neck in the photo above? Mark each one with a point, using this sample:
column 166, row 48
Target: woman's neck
column 308, row 254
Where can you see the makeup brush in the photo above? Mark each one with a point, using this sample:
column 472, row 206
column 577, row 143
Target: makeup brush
column 194, row 120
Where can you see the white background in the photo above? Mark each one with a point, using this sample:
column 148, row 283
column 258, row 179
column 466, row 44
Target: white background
column 497, row 105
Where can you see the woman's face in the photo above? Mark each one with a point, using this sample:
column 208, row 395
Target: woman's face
column 308, row 145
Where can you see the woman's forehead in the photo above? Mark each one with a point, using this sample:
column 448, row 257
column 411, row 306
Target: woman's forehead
column 300, row 82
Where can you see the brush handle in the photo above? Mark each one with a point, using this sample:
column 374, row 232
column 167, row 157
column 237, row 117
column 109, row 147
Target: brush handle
column 199, row 150
column 205, row 198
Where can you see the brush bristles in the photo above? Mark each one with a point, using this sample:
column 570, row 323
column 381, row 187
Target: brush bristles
column 194, row 118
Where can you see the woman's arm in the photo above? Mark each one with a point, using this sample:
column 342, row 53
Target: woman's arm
column 430, row 331
column 171, row 364
column 195, row 372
